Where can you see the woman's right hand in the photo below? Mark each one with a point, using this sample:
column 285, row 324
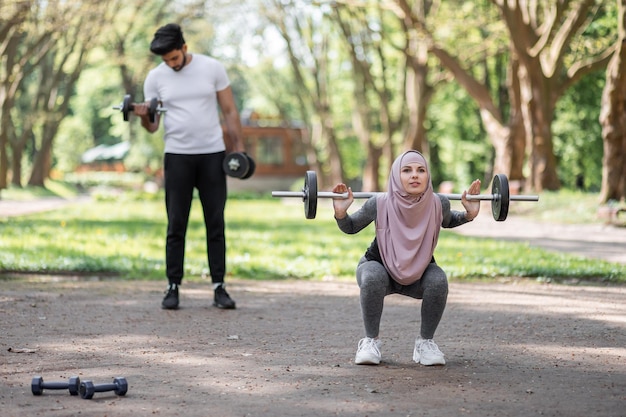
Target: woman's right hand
column 340, row 204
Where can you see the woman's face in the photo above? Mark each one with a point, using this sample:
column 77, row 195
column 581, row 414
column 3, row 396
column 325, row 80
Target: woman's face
column 414, row 178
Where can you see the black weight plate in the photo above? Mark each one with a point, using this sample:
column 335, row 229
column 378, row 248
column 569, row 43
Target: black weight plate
column 86, row 390
column 121, row 385
column 127, row 106
column 152, row 110
column 251, row 168
column 36, row 385
column 500, row 204
column 236, row 165
column 74, row 385
column 310, row 195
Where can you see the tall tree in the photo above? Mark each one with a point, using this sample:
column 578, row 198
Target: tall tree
column 45, row 53
column 307, row 39
column 60, row 70
column 543, row 36
column 377, row 76
column 613, row 117
column 549, row 54
column 501, row 117
column 13, row 18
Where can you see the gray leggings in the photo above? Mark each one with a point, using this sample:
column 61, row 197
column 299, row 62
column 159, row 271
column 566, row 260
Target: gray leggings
column 375, row 284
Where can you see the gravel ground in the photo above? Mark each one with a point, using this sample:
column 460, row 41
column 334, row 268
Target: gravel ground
column 512, row 348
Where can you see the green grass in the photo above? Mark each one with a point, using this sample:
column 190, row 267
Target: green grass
column 266, row 239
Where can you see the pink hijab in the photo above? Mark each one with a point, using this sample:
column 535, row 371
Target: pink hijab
column 407, row 226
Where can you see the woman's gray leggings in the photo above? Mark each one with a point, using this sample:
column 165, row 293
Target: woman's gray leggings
column 375, row 284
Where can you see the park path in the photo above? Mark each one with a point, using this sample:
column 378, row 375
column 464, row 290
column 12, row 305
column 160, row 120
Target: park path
column 12, row 208
column 599, row 241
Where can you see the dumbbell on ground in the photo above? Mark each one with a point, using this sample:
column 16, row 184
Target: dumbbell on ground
column 87, row 388
column 37, row 385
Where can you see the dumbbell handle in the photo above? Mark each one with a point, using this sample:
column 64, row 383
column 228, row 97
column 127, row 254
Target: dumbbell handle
column 361, row 194
column 105, row 387
column 159, row 109
column 55, row 385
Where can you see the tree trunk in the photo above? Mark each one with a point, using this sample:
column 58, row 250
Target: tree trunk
column 613, row 119
column 418, row 95
column 43, row 159
column 538, row 112
column 4, row 160
column 17, row 152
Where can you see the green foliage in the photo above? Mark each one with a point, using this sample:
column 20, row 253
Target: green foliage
column 266, row 239
column 119, row 59
column 460, row 151
column 578, row 134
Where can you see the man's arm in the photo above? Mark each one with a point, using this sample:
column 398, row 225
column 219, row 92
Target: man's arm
column 226, row 101
column 141, row 110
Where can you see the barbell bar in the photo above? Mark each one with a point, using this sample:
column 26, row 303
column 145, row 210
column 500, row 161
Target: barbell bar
column 499, row 197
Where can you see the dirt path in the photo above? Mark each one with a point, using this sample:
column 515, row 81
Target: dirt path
column 512, row 349
column 600, row 241
column 10, row 208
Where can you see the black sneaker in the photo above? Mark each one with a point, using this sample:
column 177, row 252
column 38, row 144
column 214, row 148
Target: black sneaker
column 170, row 302
column 222, row 299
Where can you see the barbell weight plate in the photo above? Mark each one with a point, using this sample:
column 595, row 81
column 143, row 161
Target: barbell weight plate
column 152, row 110
column 309, row 195
column 500, row 204
column 251, row 168
column 236, row 165
column 127, row 106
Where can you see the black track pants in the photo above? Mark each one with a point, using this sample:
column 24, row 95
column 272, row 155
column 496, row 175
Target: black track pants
column 183, row 173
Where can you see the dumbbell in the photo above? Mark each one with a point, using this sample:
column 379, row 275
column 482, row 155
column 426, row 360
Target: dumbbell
column 37, row 385
column 87, row 388
column 239, row 165
column 128, row 106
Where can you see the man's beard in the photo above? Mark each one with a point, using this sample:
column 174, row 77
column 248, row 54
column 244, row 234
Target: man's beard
column 181, row 65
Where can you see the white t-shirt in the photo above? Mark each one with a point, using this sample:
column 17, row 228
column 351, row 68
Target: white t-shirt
column 191, row 123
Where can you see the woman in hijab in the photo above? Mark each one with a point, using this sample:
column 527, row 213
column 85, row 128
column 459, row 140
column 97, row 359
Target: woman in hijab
column 400, row 259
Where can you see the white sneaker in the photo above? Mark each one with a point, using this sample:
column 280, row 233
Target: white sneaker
column 368, row 352
column 427, row 352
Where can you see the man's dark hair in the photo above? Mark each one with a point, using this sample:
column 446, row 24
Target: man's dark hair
column 166, row 39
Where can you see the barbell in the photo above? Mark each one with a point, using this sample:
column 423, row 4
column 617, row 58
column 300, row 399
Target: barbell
column 499, row 197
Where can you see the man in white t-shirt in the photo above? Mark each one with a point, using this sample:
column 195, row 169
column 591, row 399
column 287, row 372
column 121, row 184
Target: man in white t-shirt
column 192, row 87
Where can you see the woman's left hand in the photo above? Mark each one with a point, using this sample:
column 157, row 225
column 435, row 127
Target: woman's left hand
column 472, row 207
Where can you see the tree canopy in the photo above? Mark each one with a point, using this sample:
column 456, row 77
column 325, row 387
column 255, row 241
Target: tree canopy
column 534, row 90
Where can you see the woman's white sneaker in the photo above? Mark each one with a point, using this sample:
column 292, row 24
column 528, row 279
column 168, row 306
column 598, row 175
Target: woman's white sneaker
column 368, row 352
column 427, row 352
